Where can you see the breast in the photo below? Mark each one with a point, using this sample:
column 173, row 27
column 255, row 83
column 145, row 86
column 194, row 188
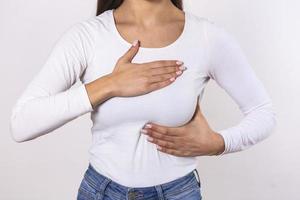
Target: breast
column 173, row 105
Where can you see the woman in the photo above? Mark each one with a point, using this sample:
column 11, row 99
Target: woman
column 143, row 96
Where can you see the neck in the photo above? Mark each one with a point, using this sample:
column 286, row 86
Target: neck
column 145, row 12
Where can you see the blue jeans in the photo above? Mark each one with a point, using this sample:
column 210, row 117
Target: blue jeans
column 95, row 186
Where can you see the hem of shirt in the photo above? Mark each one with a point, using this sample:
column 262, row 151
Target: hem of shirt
column 182, row 173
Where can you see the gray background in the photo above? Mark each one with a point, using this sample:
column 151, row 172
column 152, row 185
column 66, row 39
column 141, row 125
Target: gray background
column 52, row 166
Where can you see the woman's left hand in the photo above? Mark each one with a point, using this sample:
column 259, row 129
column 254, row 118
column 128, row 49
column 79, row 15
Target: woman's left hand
column 195, row 138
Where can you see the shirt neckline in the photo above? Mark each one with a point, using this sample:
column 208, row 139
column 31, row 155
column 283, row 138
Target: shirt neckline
column 171, row 45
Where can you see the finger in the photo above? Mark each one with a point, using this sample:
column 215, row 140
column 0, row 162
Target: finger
column 162, row 143
column 165, row 70
column 159, row 85
column 131, row 52
column 161, row 63
column 164, row 130
column 159, row 136
column 170, row 151
column 163, row 77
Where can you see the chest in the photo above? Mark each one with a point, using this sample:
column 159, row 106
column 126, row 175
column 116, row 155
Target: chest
column 172, row 105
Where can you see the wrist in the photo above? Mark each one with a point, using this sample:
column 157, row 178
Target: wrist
column 99, row 90
column 112, row 86
column 218, row 144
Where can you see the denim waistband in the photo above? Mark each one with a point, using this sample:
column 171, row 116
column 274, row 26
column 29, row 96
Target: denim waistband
column 99, row 182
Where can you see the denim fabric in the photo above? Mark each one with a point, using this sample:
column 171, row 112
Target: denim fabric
column 95, row 186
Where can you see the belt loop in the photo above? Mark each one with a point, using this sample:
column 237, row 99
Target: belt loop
column 159, row 192
column 197, row 177
column 102, row 187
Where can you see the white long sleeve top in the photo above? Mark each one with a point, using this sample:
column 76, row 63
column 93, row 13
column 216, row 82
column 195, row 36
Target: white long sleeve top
column 90, row 49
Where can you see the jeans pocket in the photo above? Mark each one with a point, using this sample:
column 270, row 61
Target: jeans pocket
column 193, row 193
column 187, row 189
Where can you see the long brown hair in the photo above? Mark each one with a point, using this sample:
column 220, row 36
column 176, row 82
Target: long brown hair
column 104, row 5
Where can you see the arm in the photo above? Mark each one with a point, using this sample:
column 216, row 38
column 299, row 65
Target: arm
column 48, row 102
column 230, row 69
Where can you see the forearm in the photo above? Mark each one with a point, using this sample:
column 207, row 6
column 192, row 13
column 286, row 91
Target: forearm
column 48, row 101
column 256, row 125
column 35, row 116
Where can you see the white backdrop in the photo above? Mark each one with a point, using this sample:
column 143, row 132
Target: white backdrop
column 51, row 167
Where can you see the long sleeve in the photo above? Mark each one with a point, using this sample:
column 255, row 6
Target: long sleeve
column 48, row 101
column 229, row 67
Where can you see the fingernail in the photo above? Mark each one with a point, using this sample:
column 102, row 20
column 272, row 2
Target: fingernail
column 149, row 138
column 179, row 62
column 134, row 43
column 158, row 147
column 144, row 131
column 172, row 79
column 148, row 126
column 178, row 72
column 183, row 67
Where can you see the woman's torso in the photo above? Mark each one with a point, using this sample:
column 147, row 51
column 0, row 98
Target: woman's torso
column 118, row 149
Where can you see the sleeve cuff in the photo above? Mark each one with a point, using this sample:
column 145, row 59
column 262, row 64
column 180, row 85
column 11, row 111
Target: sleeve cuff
column 84, row 99
column 224, row 134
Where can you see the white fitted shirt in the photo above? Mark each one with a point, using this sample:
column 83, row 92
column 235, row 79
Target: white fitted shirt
column 90, row 49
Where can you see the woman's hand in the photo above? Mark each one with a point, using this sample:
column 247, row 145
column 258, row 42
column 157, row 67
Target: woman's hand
column 195, row 138
column 132, row 79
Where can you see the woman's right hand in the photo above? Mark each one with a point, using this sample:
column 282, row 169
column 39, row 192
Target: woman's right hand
column 132, row 79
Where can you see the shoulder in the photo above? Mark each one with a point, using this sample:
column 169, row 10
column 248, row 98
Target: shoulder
column 197, row 18
column 215, row 33
column 89, row 29
column 201, row 21
column 211, row 27
column 97, row 23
